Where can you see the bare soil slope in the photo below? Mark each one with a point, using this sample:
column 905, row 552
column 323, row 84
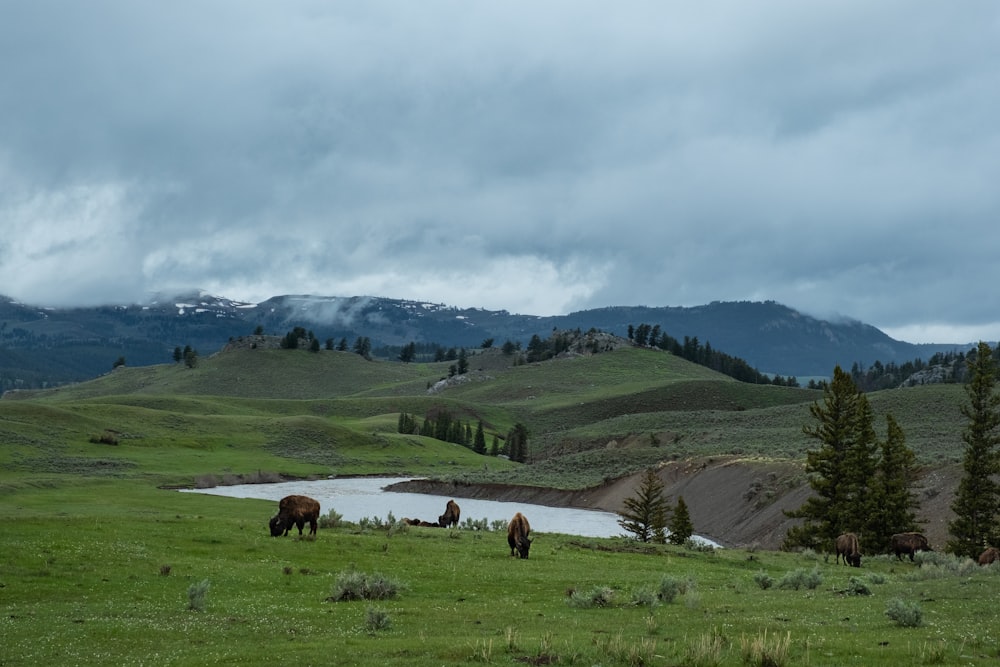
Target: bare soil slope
column 736, row 502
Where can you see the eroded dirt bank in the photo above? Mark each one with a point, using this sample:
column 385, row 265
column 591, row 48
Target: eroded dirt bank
column 736, row 502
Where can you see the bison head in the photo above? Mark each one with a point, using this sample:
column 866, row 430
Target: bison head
column 854, row 560
column 277, row 526
column 523, row 545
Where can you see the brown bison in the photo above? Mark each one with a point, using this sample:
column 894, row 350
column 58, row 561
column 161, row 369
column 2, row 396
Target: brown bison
column 517, row 535
column 848, row 546
column 990, row 556
column 450, row 516
column 295, row 511
column 909, row 543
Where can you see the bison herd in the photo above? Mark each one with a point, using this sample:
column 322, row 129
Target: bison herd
column 297, row 510
column 901, row 544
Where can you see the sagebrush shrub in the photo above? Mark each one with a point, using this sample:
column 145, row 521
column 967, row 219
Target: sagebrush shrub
column 197, row 595
column 598, row 596
column 355, row 585
column 904, row 614
column 669, row 588
column 796, row 579
column 763, row 579
column 856, row 586
column 377, row 619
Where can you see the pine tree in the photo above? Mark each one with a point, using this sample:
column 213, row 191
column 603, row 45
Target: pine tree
column 680, row 526
column 892, row 498
column 840, row 469
column 645, row 513
column 517, row 443
column 479, row 444
column 977, row 503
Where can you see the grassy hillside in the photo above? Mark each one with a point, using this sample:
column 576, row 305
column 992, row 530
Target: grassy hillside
column 102, row 562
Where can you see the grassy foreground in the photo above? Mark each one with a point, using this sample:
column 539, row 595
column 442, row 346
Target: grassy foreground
column 85, row 581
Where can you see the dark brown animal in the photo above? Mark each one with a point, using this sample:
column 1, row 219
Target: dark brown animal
column 848, row 546
column 909, row 543
column 429, row 524
column 295, row 511
column 450, row 516
column 990, row 556
column 517, row 535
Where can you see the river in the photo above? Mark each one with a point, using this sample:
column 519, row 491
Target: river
column 356, row 498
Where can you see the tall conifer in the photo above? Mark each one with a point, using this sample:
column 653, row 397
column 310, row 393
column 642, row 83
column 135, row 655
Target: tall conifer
column 977, row 503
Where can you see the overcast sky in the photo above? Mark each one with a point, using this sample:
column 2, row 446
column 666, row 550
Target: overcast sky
column 840, row 157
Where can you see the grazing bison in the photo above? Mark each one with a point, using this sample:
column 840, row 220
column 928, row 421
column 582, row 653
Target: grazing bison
column 990, row 556
column 295, row 511
column 517, row 535
column 849, row 547
column 909, row 543
column 450, row 516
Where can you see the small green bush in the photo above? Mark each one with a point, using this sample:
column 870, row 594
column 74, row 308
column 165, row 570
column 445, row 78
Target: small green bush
column 801, row 578
column 904, row 614
column 763, row 579
column 197, row 594
column 645, row 597
column 376, row 620
column 332, row 519
column 856, row 586
column 598, row 596
column 670, row 588
column 355, row 585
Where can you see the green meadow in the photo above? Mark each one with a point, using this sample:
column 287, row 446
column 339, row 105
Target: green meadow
column 104, row 562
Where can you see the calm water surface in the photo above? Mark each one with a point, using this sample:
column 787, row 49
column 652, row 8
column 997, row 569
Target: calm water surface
column 358, row 497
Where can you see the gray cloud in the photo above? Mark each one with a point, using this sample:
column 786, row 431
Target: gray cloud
column 838, row 157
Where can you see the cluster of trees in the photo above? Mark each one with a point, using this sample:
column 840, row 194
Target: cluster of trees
column 648, row 516
column 863, row 483
column 646, row 335
column 188, row 355
column 443, row 426
column 891, row 375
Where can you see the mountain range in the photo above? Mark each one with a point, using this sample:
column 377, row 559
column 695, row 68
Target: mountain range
column 42, row 346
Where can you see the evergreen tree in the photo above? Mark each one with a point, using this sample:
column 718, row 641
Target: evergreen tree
column 645, row 513
column 342, row 345
column 479, row 444
column 120, row 361
column 463, row 362
column 837, row 469
column 329, row 344
column 509, row 347
column 408, row 353
column 517, row 443
column 977, row 503
column 363, row 346
column 178, row 354
column 190, row 357
column 495, row 446
column 893, row 502
column 680, row 526
column 314, row 345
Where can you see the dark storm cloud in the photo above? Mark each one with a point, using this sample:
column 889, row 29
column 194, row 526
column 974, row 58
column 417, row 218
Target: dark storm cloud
column 838, row 157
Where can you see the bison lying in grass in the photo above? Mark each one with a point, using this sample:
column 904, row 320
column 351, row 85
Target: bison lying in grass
column 295, row 511
column 517, row 535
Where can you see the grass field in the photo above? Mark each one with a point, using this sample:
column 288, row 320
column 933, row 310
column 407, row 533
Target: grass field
column 100, row 563
column 102, row 573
